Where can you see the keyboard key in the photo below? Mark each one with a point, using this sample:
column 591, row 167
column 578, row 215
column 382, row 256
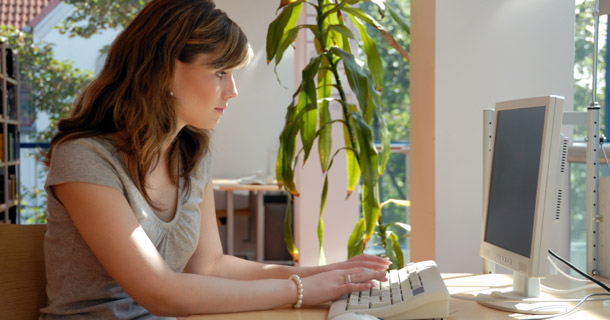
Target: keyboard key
column 357, row 307
column 418, row 290
column 365, row 294
column 353, row 298
column 414, row 279
column 396, row 295
column 378, row 302
column 384, row 285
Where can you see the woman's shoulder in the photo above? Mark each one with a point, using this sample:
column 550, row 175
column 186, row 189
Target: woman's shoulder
column 92, row 159
column 85, row 147
column 87, row 153
column 96, row 142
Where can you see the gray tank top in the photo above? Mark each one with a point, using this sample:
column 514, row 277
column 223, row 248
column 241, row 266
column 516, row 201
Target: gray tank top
column 78, row 287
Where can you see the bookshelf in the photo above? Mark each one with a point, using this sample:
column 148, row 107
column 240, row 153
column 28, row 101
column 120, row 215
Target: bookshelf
column 10, row 196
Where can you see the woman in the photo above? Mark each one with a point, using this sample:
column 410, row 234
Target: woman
column 131, row 225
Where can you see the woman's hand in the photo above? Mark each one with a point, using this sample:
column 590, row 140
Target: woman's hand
column 365, row 260
column 330, row 285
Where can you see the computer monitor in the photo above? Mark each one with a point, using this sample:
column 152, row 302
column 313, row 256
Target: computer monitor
column 521, row 194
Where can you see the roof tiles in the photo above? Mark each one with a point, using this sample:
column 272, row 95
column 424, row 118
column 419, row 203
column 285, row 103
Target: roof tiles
column 20, row 13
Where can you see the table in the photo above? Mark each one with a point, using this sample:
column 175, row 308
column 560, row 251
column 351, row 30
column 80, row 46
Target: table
column 459, row 309
column 230, row 185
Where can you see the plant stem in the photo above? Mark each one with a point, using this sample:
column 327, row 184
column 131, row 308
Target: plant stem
column 334, row 69
column 320, row 22
column 343, row 100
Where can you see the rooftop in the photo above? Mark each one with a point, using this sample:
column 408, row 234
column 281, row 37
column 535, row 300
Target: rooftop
column 22, row 13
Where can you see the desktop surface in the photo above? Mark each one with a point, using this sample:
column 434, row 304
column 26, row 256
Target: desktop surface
column 457, row 283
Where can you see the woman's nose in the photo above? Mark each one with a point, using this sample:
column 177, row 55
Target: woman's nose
column 231, row 90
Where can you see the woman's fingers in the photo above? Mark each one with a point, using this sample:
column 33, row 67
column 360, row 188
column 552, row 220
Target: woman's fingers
column 359, row 286
column 359, row 275
column 367, row 261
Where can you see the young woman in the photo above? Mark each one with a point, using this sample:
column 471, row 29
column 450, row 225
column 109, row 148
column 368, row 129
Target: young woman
column 131, row 227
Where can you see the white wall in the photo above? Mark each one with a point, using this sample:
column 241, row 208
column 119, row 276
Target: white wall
column 247, row 138
column 487, row 51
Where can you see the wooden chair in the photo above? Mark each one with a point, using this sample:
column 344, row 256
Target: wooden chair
column 22, row 271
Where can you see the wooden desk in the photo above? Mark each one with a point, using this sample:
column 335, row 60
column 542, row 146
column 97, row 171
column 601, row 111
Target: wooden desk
column 473, row 284
column 232, row 185
column 459, row 309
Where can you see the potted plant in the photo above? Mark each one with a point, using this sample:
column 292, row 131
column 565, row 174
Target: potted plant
column 308, row 114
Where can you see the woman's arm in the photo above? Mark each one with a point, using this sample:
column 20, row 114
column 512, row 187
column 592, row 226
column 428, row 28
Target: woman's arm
column 106, row 222
column 209, row 258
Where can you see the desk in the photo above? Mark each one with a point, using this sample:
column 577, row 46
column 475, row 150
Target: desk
column 459, row 309
column 232, row 185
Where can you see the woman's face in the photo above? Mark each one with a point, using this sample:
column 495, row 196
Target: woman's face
column 201, row 94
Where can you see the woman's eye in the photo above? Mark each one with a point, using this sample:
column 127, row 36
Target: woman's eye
column 221, row 74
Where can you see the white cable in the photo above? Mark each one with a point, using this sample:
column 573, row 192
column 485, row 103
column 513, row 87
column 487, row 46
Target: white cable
column 568, row 291
column 601, row 144
column 478, row 299
column 565, row 274
column 583, row 300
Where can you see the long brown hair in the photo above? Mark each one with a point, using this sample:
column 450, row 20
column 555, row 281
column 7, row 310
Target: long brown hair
column 130, row 99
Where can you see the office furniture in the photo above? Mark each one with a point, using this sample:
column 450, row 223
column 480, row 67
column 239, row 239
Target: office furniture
column 22, row 271
column 467, row 284
column 9, row 137
column 229, row 186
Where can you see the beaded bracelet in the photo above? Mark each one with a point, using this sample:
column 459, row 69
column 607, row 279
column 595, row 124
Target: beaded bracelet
column 299, row 283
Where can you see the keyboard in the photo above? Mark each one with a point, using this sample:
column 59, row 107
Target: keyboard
column 416, row 291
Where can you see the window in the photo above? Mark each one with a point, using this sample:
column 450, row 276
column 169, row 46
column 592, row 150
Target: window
column 583, row 65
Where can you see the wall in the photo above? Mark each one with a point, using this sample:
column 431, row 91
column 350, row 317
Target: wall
column 487, row 51
column 247, row 138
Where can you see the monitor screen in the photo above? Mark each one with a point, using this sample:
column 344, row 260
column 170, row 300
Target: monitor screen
column 514, row 179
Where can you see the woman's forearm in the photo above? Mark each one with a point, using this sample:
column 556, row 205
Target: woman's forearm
column 191, row 294
column 236, row 268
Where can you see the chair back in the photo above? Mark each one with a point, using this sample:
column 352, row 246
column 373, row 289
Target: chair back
column 22, row 271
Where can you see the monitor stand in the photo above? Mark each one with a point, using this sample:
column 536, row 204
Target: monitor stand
column 525, row 296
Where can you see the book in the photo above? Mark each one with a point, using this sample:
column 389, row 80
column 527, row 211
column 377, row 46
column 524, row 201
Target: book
column 11, row 147
column 2, row 147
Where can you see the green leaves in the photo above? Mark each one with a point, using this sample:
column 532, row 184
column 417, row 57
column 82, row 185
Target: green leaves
column 288, row 239
column 354, row 244
column 372, row 56
column 321, row 222
column 325, row 83
column 92, row 16
column 309, row 116
column 393, row 251
column 281, row 29
column 308, row 106
column 284, row 169
column 356, row 76
column 404, row 24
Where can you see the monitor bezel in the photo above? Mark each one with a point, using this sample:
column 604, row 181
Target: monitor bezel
column 535, row 265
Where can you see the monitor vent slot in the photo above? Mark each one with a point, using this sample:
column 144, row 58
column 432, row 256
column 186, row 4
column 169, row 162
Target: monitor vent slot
column 558, row 206
column 564, row 154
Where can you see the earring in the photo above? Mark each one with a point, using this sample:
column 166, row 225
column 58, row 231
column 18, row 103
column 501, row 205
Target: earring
column 171, row 93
